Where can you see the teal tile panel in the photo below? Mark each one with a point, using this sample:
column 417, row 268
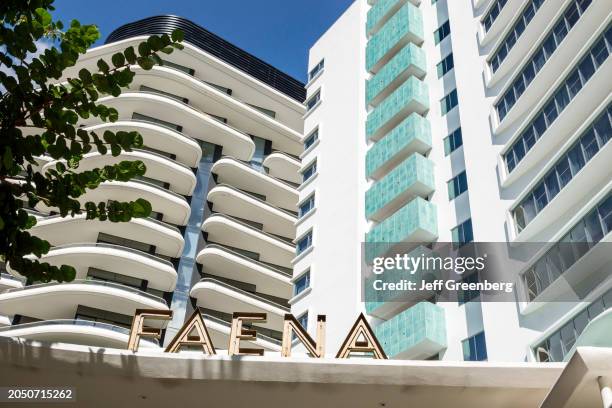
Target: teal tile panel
column 412, row 91
column 422, row 323
column 410, row 57
column 415, row 169
column 414, row 131
column 405, row 25
column 418, row 215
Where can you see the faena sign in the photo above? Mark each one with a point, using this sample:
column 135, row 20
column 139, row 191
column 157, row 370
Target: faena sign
column 360, row 339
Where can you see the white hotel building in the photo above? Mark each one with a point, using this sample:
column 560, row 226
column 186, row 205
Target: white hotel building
column 422, row 121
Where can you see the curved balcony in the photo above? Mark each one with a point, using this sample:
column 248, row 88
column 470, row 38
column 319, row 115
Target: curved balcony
column 166, row 239
column 219, row 331
column 226, row 230
column 502, row 21
column 75, row 331
column 179, row 177
column 160, row 273
column 240, row 175
column 283, row 166
column 594, row 94
column 8, row 281
column 173, row 206
column 197, row 124
column 229, row 200
column 206, row 98
column 60, row 300
column 159, row 137
column 251, row 82
column 529, row 37
column 268, row 278
column 213, row 294
column 567, row 53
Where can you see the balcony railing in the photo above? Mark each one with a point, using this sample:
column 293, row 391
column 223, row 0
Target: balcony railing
column 147, row 255
column 267, row 204
column 276, row 268
column 113, row 285
column 285, row 240
column 254, row 295
column 74, row 322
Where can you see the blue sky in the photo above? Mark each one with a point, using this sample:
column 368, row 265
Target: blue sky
column 278, row 31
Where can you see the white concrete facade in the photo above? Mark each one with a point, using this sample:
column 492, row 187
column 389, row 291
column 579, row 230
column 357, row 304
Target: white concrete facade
column 512, row 329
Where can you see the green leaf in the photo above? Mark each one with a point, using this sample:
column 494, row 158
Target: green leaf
column 130, row 55
column 118, row 60
column 103, row 66
column 43, row 16
column 141, row 208
column 178, row 35
column 146, row 63
column 7, row 158
column 143, row 49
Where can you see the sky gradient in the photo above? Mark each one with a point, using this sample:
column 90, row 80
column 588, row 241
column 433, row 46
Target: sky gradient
column 278, row 31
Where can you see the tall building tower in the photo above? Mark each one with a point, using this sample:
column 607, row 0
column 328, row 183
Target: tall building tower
column 463, row 121
column 222, row 134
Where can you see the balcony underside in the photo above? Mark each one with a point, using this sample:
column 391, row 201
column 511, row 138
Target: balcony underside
column 186, row 149
column 181, row 179
column 195, row 124
column 239, row 175
column 175, row 208
column 60, row 301
column 159, row 273
column 226, row 231
column 60, row 231
column 87, row 335
column 230, row 201
column 283, row 167
column 211, row 294
column 227, row 264
column 206, row 98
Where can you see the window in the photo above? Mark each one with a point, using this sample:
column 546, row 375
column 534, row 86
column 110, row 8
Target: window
column 442, row 32
column 453, row 141
column 514, row 34
column 145, row 118
column 475, row 348
column 301, row 284
column 566, row 168
column 457, row 185
column 148, row 89
column 313, row 100
column 543, row 54
column 304, row 243
column 465, row 296
column 309, row 171
column 303, row 321
column 491, row 16
column 449, row 102
column 445, row 65
column 187, row 70
column 311, row 139
column 306, row 206
column 558, row 101
column 558, row 345
column 316, row 70
column 462, row 234
column 568, row 250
